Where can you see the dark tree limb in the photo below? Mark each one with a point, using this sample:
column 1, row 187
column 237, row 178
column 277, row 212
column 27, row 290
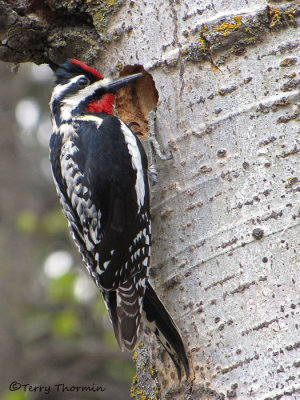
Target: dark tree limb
column 51, row 31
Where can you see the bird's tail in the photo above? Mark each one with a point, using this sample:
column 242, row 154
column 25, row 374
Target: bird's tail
column 125, row 307
column 157, row 318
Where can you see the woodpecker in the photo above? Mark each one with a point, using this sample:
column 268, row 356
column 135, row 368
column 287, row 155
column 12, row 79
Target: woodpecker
column 100, row 171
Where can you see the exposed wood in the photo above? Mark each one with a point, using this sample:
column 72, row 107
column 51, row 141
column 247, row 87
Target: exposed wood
column 226, row 209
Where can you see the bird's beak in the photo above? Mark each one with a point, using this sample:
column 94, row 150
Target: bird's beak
column 113, row 86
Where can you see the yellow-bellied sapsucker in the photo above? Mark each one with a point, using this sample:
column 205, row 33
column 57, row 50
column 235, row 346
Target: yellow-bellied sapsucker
column 100, row 171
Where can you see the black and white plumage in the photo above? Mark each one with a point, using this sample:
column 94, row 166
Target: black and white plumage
column 100, row 171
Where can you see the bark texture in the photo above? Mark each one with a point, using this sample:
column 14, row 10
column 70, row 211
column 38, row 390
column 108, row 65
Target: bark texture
column 226, row 209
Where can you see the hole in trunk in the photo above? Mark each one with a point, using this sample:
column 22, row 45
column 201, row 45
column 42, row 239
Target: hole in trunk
column 135, row 101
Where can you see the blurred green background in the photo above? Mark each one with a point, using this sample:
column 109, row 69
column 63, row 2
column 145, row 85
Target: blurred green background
column 54, row 327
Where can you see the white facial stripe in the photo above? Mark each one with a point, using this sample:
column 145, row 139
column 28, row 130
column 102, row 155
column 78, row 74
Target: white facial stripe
column 87, row 91
column 60, row 89
column 136, row 163
column 69, row 103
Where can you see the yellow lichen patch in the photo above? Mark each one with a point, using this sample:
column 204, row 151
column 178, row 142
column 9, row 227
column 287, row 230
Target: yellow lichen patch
column 100, row 13
column 115, row 35
column 275, row 15
column 152, row 371
column 119, row 66
column 287, row 62
column 111, row 3
column 290, row 15
column 238, row 21
column 141, row 395
column 134, row 380
column 226, row 28
column 133, row 387
column 202, row 43
column 249, row 30
column 250, row 40
column 157, row 392
column 138, row 394
column 201, row 39
column 134, row 357
column 278, row 16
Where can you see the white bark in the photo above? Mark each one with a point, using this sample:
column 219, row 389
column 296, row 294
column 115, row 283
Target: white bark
column 226, row 209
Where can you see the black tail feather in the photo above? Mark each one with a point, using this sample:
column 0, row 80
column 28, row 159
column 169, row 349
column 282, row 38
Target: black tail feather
column 157, row 318
column 111, row 305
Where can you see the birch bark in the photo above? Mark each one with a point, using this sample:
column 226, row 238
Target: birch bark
column 226, row 209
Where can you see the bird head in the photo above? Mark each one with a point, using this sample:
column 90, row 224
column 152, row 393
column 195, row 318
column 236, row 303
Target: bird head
column 80, row 89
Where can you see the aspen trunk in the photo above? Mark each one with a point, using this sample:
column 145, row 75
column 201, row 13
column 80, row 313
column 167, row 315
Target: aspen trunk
column 226, row 209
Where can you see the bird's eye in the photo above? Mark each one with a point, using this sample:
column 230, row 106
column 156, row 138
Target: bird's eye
column 82, row 82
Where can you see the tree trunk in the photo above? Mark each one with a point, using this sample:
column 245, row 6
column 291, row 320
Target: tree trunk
column 226, row 210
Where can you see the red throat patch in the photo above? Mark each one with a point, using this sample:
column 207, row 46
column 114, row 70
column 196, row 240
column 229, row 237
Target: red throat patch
column 105, row 104
column 88, row 69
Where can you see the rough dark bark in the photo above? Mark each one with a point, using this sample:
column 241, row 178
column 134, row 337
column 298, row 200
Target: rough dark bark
column 226, row 214
column 51, row 31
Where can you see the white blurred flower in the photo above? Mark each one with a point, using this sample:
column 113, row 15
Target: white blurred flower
column 44, row 131
column 58, row 264
column 27, row 113
column 84, row 289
